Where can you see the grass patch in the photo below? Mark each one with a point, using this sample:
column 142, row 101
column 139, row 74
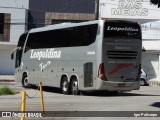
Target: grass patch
column 7, row 91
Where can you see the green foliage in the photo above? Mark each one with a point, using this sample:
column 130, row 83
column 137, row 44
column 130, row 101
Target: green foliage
column 155, row 2
column 7, row 91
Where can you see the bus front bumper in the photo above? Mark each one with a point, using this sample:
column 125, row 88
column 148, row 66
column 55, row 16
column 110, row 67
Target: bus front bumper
column 117, row 86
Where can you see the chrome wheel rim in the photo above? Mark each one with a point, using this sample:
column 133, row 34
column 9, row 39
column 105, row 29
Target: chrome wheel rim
column 75, row 86
column 65, row 86
column 26, row 81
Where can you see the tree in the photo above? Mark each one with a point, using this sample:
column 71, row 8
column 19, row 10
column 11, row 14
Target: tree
column 155, row 2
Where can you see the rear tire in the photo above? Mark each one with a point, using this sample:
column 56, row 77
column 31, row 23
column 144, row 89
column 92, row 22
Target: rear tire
column 25, row 81
column 112, row 93
column 65, row 86
column 74, row 86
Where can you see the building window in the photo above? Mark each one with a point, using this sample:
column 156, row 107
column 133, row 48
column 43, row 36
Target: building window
column 65, row 21
column 55, row 18
column 5, row 19
column 1, row 23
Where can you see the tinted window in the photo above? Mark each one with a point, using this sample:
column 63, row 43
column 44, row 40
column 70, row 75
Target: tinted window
column 18, row 58
column 67, row 37
column 1, row 23
column 22, row 39
column 122, row 29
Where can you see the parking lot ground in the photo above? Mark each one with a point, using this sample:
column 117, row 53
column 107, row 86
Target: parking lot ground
column 145, row 99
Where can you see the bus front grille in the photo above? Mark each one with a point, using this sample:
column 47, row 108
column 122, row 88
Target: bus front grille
column 122, row 54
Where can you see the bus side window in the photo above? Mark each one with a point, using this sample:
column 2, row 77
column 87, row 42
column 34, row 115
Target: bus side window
column 65, row 37
column 87, row 34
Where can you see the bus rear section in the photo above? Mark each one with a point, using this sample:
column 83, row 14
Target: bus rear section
column 121, row 56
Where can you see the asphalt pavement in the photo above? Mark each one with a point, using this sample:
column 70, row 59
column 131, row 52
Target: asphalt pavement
column 145, row 99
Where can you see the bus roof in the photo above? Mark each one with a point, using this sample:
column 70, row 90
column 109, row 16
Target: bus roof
column 62, row 25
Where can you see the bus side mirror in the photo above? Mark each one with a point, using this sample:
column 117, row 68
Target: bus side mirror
column 12, row 55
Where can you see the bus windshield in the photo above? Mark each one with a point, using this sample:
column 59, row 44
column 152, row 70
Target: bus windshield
column 120, row 29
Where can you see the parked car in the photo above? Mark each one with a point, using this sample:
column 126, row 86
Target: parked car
column 144, row 80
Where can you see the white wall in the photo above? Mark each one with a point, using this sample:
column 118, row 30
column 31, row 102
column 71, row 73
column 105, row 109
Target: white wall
column 151, row 30
column 6, row 64
column 151, row 35
column 151, row 43
column 150, row 63
column 18, row 10
column 18, row 20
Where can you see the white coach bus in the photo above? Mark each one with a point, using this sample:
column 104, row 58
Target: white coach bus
column 88, row 56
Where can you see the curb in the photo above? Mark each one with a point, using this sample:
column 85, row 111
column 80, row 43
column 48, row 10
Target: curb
column 7, row 81
column 7, row 78
column 154, row 83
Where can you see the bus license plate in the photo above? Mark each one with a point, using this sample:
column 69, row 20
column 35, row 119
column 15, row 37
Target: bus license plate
column 121, row 85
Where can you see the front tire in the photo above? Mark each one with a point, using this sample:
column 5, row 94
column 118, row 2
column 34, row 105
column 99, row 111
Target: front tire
column 74, row 86
column 25, row 81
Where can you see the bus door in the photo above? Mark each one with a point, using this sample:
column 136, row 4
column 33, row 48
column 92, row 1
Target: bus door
column 17, row 56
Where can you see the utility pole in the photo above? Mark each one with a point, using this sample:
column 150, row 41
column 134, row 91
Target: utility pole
column 96, row 9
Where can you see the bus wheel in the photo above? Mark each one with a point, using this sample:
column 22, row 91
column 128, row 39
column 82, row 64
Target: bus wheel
column 65, row 86
column 142, row 82
column 74, row 86
column 25, row 81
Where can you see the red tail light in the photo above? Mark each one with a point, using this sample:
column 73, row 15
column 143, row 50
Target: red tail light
column 139, row 73
column 101, row 72
column 104, row 21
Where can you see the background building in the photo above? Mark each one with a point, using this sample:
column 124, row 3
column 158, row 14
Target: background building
column 148, row 16
column 17, row 16
column 151, row 54
column 13, row 16
column 57, row 11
